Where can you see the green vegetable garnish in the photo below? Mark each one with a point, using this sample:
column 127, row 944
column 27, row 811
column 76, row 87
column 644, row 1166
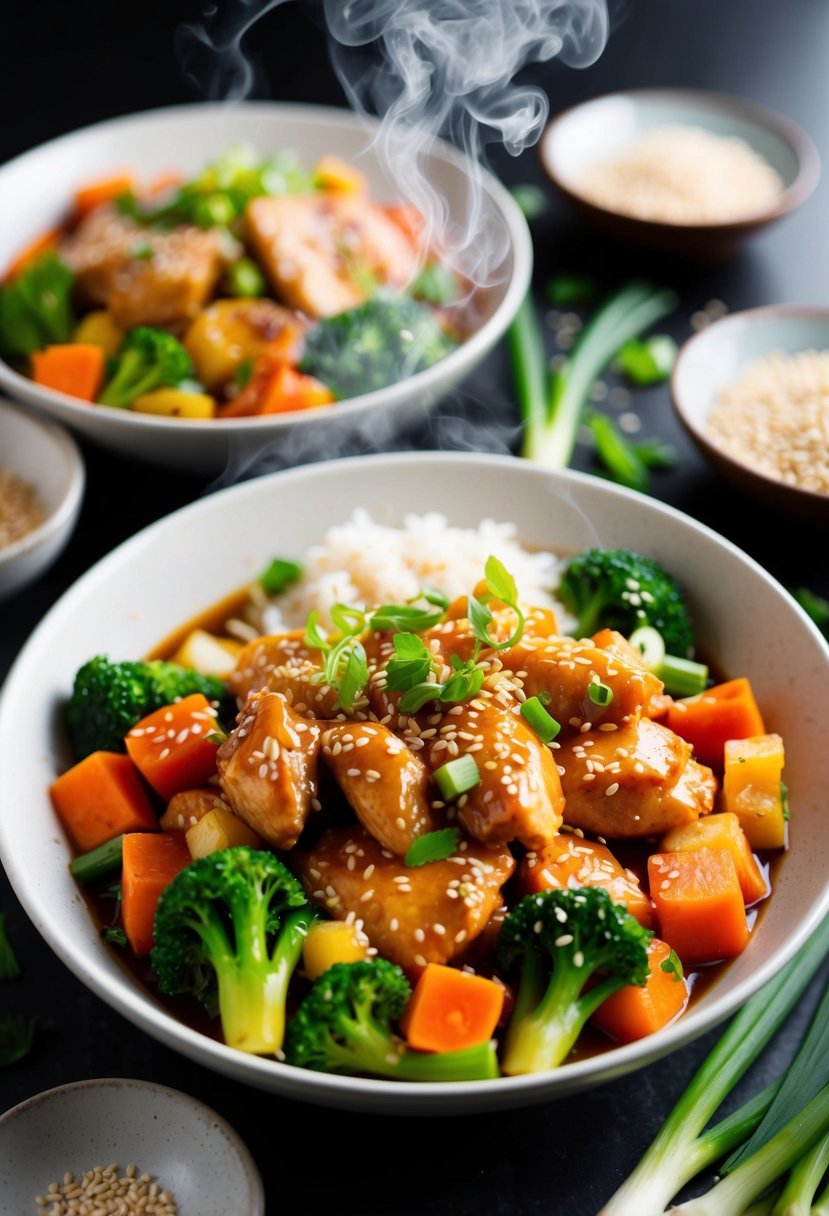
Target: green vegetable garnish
column 456, row 777
column 98, row 863
column 599, row 693
column 537, row 717
column 147, row 359
column 682, row 677
column 655, row 453
column 410, row 665
column 245, row 279
column 650, row 644
column 113, row 936
column 436, row 284
column 432, row 846
column 616, row 453
column 36, row 308
column 17, row 1034
column 279, row 574
column 672, row 966
column 9, row 966
column 571, row 290
column 650, row 361
column 345, row 663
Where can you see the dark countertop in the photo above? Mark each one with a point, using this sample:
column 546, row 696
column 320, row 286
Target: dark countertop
column 562, row 1159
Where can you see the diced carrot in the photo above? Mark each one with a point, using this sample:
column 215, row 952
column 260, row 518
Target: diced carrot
column 276, row 388
column 451, row 1009
column 721, row 832
column 76, row 369
column 32, row 251
column 753, row 789
column 707, row 721
column 150, row 864
column 569, row 861
column 103, row 190
column 699, row 904
column 634, row 1012
column 169, row 747
column 100, row 798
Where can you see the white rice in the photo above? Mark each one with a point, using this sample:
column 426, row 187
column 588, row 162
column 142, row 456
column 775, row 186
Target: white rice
column 365, row 563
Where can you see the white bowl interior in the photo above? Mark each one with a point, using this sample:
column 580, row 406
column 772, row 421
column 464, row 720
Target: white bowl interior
column 43, row 454
column 133, row 599
column 599, row 129
column 182, row 1143
column 723, row 351
column 37, row 188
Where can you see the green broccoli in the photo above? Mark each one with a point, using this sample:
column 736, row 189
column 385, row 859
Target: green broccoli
column 617, row 589
column 35, row 307
column 374, row 345
column 148, row 359
column 344, row 1024
column 231, row 926
column 562, row 939
column 109, row 698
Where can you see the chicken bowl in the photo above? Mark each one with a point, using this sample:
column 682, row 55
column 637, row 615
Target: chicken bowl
column 213, row 282
column 422, row 890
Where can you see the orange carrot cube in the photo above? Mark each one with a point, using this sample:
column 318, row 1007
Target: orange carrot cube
column 75, row 368
column 722, row 832
column 451, row 1009
column 635, row 1012
column 709, row 720
column 699, row 904
column 100, row 798
column 170, row 749
column 150, row 863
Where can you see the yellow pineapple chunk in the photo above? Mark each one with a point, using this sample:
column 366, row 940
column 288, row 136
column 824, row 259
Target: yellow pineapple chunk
column 219, row 829
column 752, row 789
column 329, row 942
column 207, row 654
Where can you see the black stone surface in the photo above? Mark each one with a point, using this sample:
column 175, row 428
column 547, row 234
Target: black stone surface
column 67, row 65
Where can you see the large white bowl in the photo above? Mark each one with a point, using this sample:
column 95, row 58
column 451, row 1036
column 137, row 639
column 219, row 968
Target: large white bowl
column 36, row 189
column 136, row 596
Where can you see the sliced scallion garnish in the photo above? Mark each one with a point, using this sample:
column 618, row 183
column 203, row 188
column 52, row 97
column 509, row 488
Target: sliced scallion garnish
column 537, row 718
column 650, row 644
column 457, row 777
column 279, row 574
column 682, row 677
column 599, row 693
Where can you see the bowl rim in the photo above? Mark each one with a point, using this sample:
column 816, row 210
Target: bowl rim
column 62, row 515
column 745, row 319
column 137, row 1005
column 520, row 247
column 212, row 1120
column 804, row 183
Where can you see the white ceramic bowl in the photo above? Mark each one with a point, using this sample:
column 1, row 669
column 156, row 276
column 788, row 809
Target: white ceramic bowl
column 182, row 1143
column 135, row 597
column 720, row 354
column 601, row 128
column 37, row 187
column 44, row 455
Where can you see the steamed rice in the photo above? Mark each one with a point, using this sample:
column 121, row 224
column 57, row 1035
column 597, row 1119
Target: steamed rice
column 365, row 563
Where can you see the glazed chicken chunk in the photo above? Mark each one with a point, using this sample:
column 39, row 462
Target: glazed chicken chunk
column 313, row 247
column 635, row 780
column 268, row 769
column 388, row 786
column 143, row 276
column 283, row 663
column 412, row 916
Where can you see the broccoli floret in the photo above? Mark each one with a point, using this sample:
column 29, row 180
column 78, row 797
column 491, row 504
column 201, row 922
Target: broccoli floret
column 231, row 926
column 562, row 939
column 344, row 1024
column 109, row 698
column 374, row 345
column 35, row 307
column 617, row 589
column 148, row 359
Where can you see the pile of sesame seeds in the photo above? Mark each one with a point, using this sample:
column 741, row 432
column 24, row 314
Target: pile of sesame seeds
column 21, row 509
column 102, row 1191
column 775, row 419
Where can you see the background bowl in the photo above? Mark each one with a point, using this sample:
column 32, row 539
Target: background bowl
column 720, row 353
column 133, row 598
column 600, row 129
column 36, row 189
column 48, row 458
column 190, row 1149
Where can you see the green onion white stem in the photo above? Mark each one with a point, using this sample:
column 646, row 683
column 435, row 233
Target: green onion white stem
column 803, row 1182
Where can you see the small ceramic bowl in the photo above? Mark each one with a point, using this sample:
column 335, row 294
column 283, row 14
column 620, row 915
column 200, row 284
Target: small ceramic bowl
column 720, row 353
column 181, row 1143
column 600, row 129
column 46, row 456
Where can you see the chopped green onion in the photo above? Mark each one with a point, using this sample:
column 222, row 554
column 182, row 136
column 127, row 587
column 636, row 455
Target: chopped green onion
column 617, row 454
column 648, row 362
column 245, row 279
column 410, row 665
column 432, row 846
column 650, row 644
column 348, row 619
column 213, row 211
column 672, row 966
column 279, row 574
column 536, row 717
column 656, row 454
column 114, row 936
column 599, row 693
column 98, row 863
column 531, row 199
column 418, row 695
column 682, row 677
column 142, row 252
column 436, row 284
column 569, row 290
column 457, row 777
column 407, row 617
column 466, row 681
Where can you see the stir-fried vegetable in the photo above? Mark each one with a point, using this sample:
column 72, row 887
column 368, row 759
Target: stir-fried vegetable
column 35, row 307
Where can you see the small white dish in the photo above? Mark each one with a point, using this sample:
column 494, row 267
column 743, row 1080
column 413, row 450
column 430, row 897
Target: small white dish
column 720, row 354
column 36, row 189
column 183, row 1144
column 599, row 129
column 47, row 457
column 134, row 597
